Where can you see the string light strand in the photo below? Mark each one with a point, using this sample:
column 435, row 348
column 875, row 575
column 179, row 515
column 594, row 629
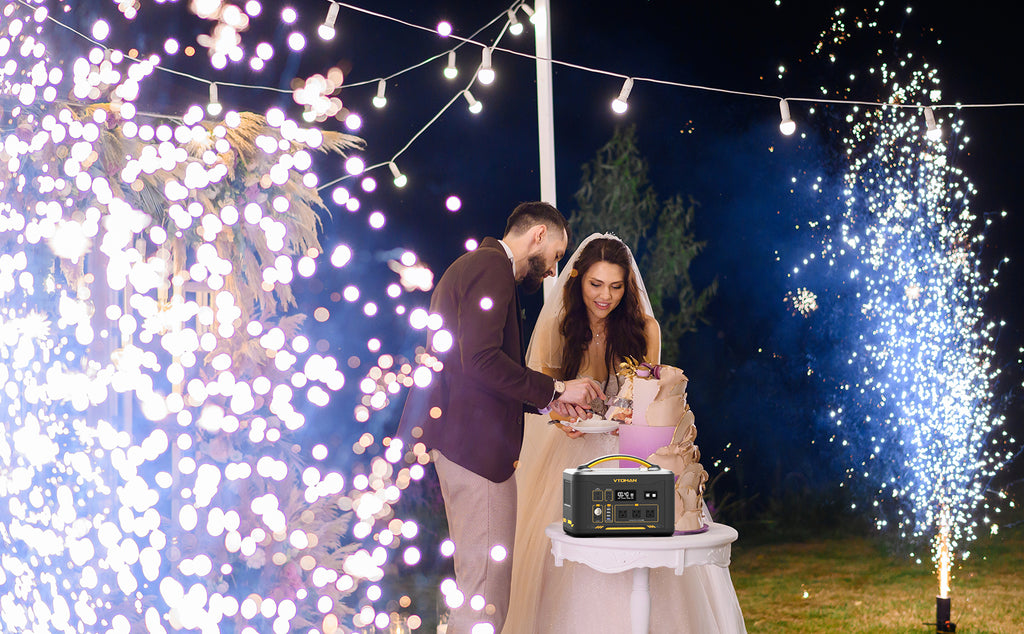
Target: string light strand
column 159, row 67
column 488, row 50
column 676, row 84
column 446, row 54
column 589, row 69
column 461, row 93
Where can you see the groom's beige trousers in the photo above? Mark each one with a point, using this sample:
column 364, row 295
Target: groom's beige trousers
column 481, row 516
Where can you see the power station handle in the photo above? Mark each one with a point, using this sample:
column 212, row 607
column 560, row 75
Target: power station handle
column 618, row 456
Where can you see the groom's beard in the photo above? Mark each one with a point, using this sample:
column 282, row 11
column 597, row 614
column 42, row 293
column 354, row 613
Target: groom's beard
column 534, row 275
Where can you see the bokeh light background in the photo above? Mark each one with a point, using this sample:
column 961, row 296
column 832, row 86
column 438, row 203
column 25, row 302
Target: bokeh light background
column 157, row 473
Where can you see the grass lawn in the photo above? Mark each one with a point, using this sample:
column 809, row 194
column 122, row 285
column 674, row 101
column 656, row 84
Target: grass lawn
column 853, row 584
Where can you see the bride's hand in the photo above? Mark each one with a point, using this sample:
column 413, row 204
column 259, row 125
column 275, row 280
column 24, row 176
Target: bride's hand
column 555, row 415
column 560, row 421
column 569, row 431
column 569, row 411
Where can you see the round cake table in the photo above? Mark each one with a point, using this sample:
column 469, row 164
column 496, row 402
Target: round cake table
column 640, row 554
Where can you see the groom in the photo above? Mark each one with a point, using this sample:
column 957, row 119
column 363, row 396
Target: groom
column 471, row 415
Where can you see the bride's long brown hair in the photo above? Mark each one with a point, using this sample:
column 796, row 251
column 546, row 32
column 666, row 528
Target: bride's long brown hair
column 625, row 326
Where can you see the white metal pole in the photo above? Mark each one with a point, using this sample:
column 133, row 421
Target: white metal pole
column 545, row 109
column 545, row 102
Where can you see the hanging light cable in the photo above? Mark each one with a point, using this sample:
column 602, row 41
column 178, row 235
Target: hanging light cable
column 619, row 105
column 787, row 126
column 934, row 131
column 451, row 71
column 474, row 106
column 326, row 30
column 379, row 101
column 214, row 107
column 486, row 73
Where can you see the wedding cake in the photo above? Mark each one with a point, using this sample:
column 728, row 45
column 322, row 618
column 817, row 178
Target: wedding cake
column 659, row 427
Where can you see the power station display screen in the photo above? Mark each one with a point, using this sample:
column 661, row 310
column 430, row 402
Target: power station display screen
column 625, row 496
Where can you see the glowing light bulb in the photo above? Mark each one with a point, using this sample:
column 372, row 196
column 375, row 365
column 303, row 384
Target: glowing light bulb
column 934, row 131
column 515, row 27
column 213, row 108
column 327, row 30
column 619, row 104
column 530, row 13
column 474, row 106
column 451, row 71
column 787, row 126
column 379, row 101
column 444, row 28
column 400, row 178
column 486, row 73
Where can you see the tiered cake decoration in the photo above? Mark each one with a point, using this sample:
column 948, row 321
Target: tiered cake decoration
column 658, row 395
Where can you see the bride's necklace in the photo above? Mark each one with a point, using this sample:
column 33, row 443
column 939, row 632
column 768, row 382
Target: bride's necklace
column 598, row 337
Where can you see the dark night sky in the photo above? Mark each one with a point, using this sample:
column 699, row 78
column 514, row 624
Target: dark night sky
column 723, row 150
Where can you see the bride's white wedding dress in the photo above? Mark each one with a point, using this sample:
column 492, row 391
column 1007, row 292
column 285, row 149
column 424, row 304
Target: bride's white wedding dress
column 573, row 598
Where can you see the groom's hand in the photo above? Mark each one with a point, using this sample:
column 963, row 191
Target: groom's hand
column 577, row 397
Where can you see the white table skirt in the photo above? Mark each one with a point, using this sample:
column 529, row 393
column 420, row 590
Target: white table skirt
column 712, row 548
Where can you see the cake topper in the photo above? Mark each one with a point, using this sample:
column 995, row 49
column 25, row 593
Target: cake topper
column 630, row 367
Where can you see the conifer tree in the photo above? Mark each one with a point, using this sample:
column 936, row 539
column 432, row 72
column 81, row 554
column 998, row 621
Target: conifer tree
column 616, row 196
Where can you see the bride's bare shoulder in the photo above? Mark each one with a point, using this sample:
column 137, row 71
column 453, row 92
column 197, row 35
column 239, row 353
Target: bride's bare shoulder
column 652, row 333
column 651, row 326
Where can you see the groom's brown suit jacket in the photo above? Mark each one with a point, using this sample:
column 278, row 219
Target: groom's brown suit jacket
column 472, row 412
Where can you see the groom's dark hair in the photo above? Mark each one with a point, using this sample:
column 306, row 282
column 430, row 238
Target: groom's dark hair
column 527, row 215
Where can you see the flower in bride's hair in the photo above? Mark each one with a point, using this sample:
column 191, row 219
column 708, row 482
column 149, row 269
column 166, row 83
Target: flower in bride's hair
column 573, row 273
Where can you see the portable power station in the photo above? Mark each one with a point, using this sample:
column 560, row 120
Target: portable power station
column 618, row 501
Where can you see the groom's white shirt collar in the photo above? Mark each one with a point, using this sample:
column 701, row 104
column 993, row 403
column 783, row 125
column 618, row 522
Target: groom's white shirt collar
column 511, row 257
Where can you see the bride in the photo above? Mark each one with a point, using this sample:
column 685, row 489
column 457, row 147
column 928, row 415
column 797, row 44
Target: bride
column 597, row 314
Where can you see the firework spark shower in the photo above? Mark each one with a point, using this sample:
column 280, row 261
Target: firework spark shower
column 916, row 406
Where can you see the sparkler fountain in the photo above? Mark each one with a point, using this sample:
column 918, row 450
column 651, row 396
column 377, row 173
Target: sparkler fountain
column 942, row 602
column 917, row 410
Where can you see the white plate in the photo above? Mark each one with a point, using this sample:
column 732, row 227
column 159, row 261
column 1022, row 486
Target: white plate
column 596, row 426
